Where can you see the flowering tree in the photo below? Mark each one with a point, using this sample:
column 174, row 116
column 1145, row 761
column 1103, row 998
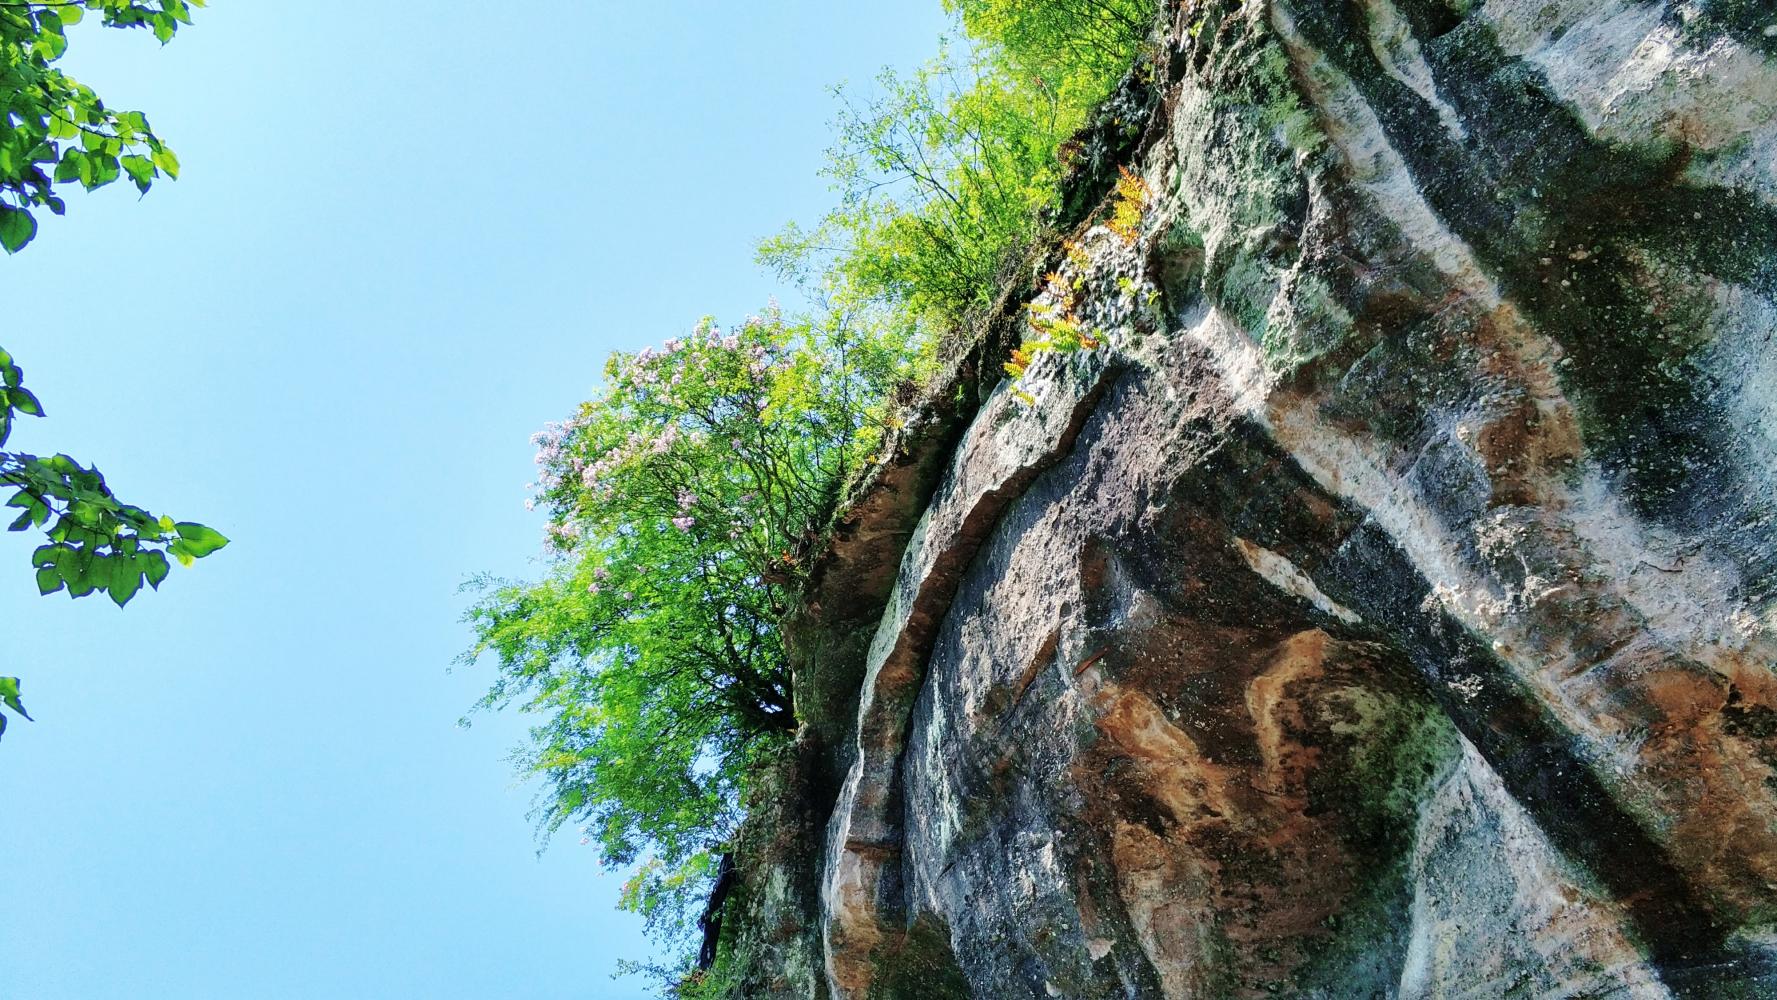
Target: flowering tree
column 678, row 499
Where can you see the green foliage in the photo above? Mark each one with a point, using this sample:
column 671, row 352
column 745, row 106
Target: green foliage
column 1078, row 47
column 9, row 696
column 54, row 129
column 95, row 542
column 1129, row 205
column 947, row 171
column 1056, row 328
column 683, row 497
column 938, row 177
column 679, row 500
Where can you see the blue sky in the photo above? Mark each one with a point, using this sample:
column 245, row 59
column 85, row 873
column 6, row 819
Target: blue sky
column 406, row 236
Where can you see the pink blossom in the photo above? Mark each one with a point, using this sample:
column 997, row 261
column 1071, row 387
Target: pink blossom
column 600, row 573
column 687, row 500
column 684, row 523
column 592, row 588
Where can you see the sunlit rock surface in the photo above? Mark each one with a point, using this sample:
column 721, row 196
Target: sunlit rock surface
column 1390, row 608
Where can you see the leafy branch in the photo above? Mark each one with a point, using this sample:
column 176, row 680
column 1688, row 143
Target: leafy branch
column 55, row 130
column 93, row 541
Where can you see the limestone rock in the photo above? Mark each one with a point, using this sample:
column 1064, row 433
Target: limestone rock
column 1389, row 609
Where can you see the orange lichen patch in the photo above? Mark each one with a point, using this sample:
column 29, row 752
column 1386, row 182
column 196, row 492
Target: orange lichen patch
column 1227, row 873
column 1681, row 697
column 1276, row 716
column 1174, row 772
column 1171, row 904
column 1522, row 444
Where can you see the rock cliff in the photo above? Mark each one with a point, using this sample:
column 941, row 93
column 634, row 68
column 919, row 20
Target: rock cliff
column 1389, row 607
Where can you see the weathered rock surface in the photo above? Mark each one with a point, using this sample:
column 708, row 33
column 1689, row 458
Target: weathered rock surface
column 1390, row 609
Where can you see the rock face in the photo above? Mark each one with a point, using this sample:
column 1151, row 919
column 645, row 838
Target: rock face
column 1389, row 609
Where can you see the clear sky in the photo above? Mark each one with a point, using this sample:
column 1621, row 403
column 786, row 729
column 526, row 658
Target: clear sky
column 406, row 235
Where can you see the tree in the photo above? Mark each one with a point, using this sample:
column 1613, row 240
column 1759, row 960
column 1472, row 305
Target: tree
column 1078, row 47
column 55, row 130
column 938, row 175
column 945, row 172
column 678, row 501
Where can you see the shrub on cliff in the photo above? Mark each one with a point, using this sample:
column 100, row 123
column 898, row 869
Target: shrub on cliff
column 946, row 171
column 678, row 500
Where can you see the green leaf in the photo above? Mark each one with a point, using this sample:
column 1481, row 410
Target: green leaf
column 87, row 580
column 140, row 170
column 16, row 228
column 126, row 579
column 167, row 162
column 198, row 540
column 49, row 580
column 9, row 696
column 50, row 45
column 105, row 170
column 73, row 165
column 21, row 522
column 24, row 401
column 155, row 567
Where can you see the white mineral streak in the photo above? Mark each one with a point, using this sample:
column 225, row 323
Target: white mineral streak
column 1635, row 81
column 1693, row 605
column 1440, row 952
column 1287, row 577
column 1393, row 44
